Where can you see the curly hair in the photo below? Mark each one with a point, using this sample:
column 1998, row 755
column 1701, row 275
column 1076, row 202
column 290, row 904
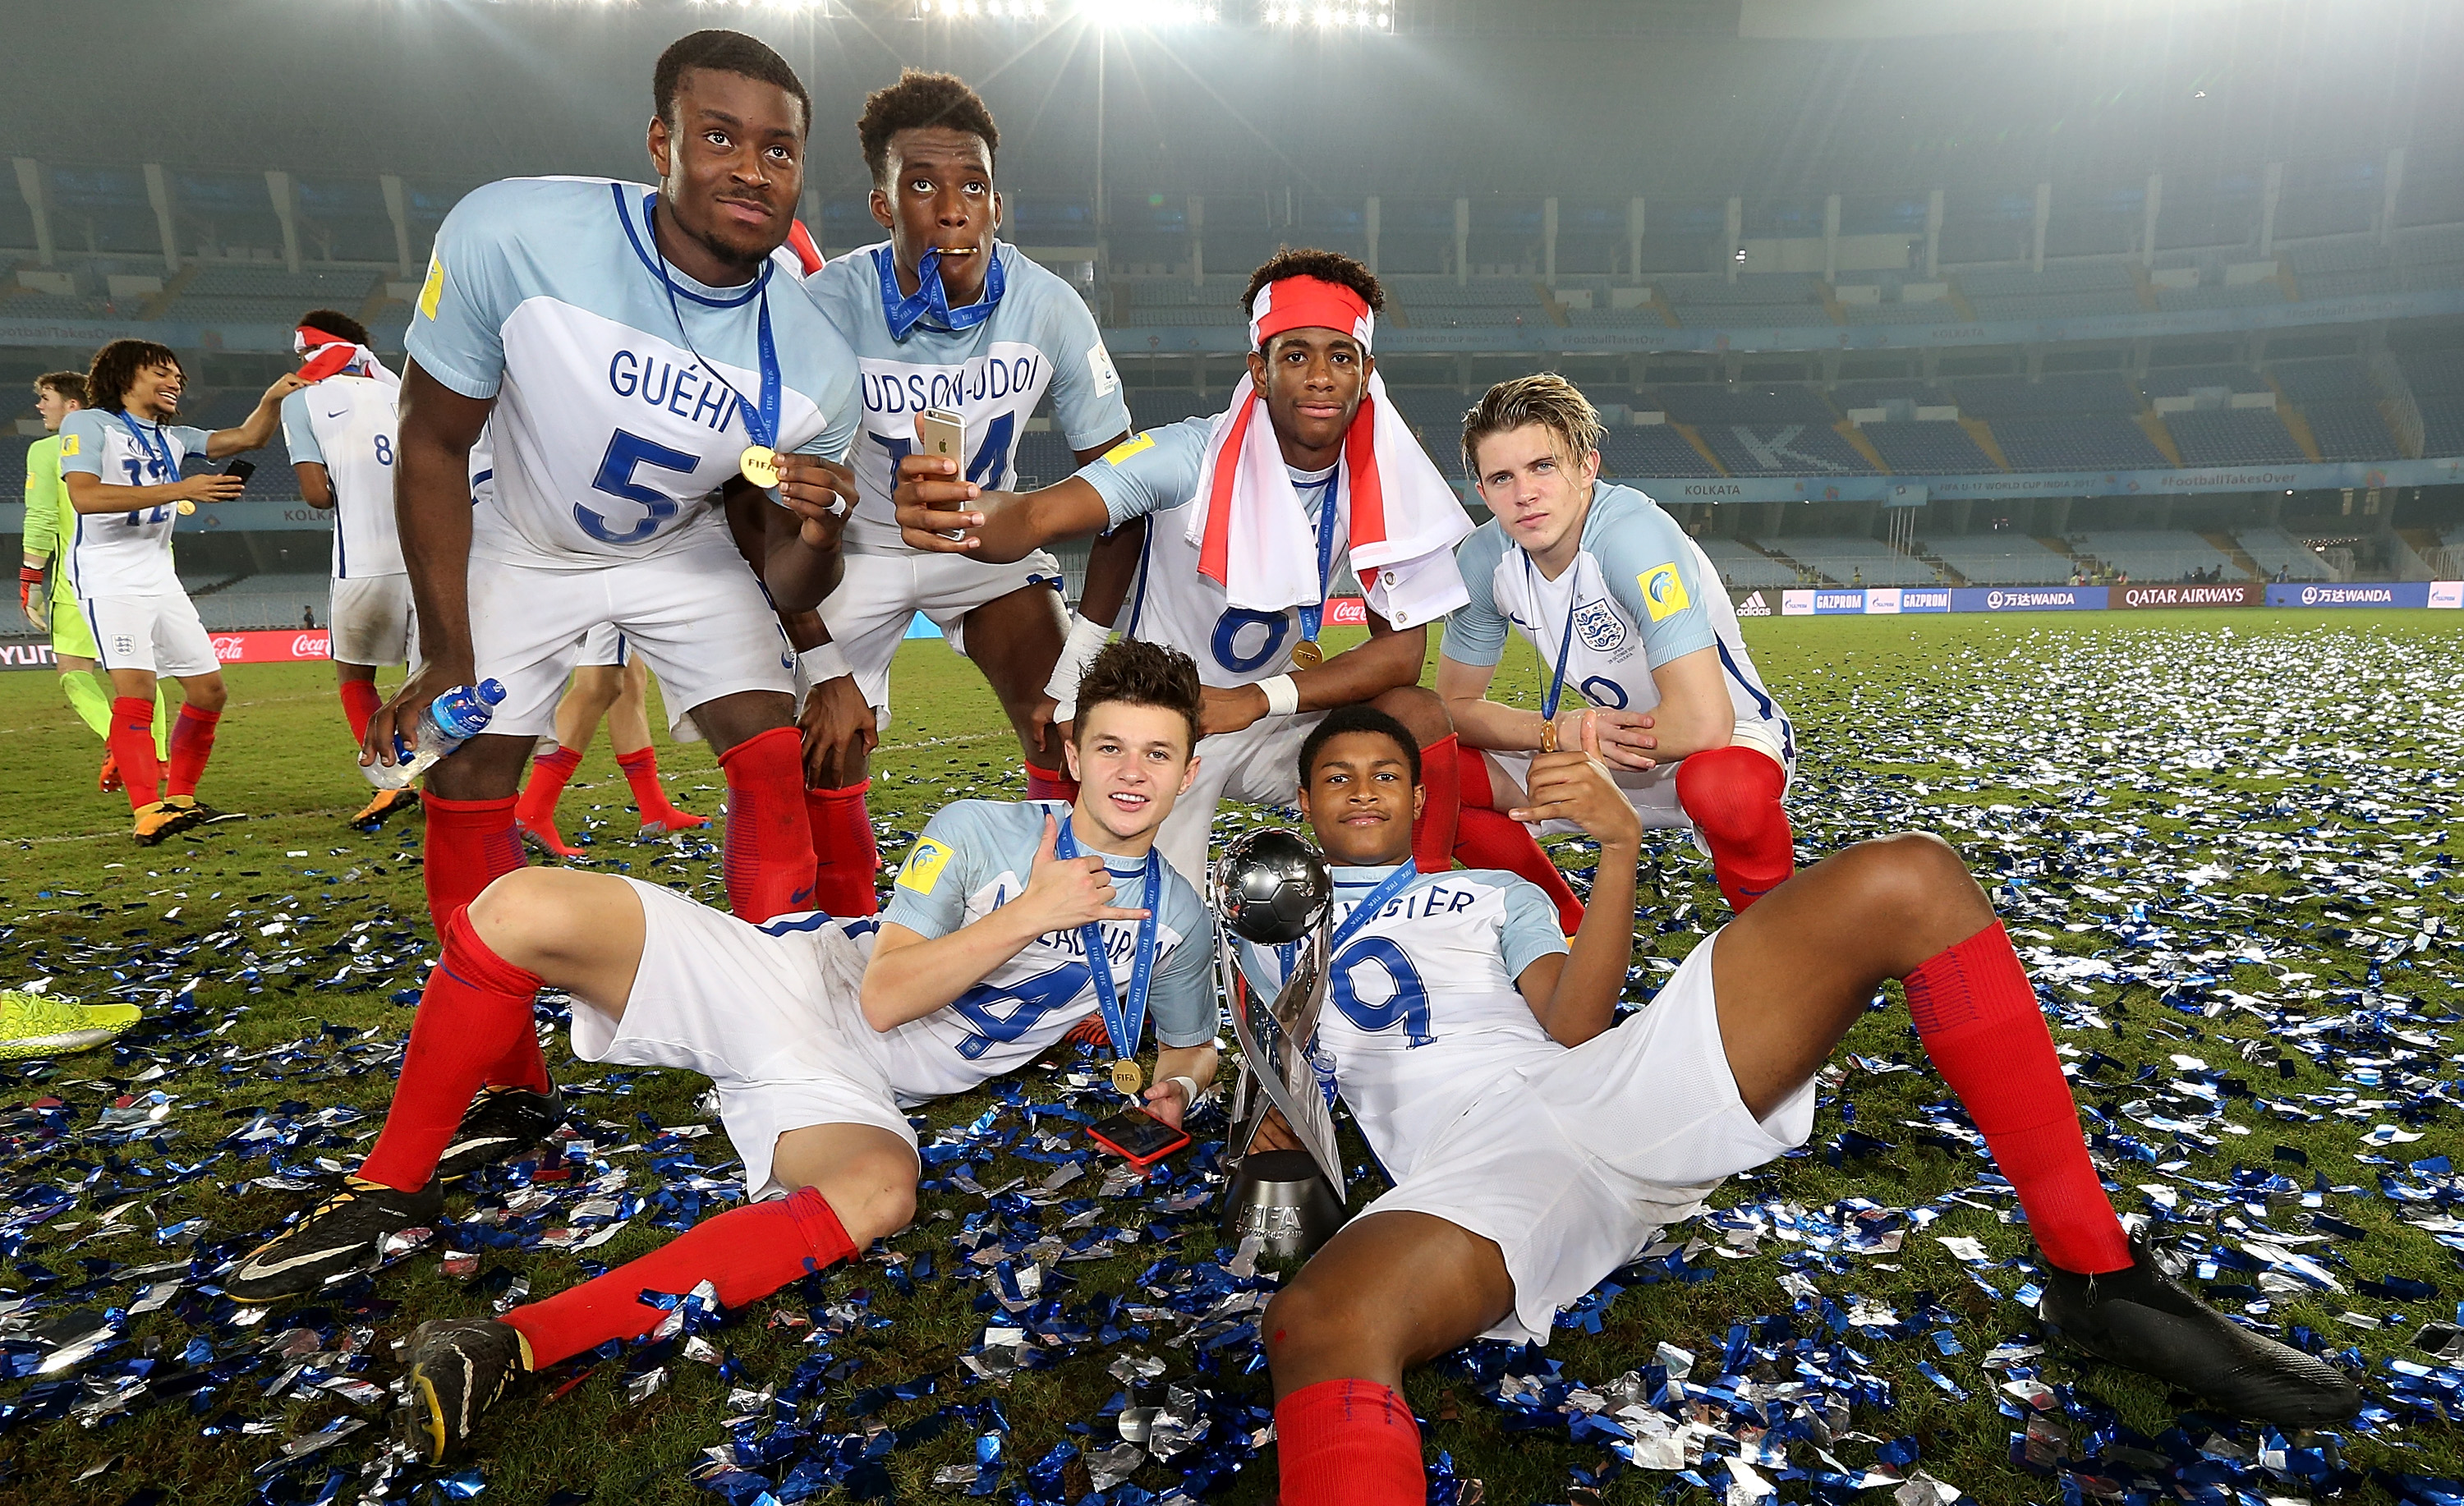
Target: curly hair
column 1358, row 717
column 1142, row 674
column 333, row 322
column 69, row 384
column 1325, row 266
column 1543, row 398
column 725, row 52
column 116, row 367
column 916, row 101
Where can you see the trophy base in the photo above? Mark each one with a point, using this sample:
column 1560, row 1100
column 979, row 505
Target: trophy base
column 1282, row 1198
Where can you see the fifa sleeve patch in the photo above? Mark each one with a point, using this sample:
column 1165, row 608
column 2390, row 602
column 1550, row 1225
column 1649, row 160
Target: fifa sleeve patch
column 1099, row 366
column 68, row 445
column 1663, row 592
column 1128, row 447
column 432, row 291
column 924, row 865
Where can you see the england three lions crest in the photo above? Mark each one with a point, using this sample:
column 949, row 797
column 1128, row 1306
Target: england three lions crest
column 1597, row 625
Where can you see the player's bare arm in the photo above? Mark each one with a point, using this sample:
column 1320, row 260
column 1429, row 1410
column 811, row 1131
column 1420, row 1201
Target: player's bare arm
column 997, row 527
column 1574, row 994
column 90, row 494
column 1389, row 661
column 256, row 430
column 432, row 506
column 1627, row 739
column 801, row 560
column 316, row 485
column 1694, row 713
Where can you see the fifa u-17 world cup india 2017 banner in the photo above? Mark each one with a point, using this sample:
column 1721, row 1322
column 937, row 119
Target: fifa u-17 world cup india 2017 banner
column 1900, row 491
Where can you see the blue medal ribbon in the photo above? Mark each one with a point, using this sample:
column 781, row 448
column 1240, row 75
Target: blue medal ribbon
column 907, row 310
column 1123, row 1023
column 150, row 438
column 1565, row 640
column 1367, row 910
column 1314, row 614
column 761, row 423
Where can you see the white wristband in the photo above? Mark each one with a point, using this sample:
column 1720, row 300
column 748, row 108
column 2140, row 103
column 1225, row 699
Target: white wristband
column 1188, row 1090
column 1283, row 696
column 823, row 662
column 1086, row 641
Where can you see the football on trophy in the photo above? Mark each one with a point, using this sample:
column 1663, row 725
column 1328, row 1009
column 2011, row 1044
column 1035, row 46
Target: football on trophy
column 1271, row 887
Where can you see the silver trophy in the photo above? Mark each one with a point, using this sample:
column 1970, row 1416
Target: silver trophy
column 1272, row 889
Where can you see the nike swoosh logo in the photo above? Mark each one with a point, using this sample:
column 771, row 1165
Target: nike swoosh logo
column 276, row 1267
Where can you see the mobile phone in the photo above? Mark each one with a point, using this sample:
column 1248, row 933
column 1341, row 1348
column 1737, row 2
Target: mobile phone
column 241, row 469
column 1136, row 1136
column 945, row 434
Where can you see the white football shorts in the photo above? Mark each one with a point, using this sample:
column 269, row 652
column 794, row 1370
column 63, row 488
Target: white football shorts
column 160, row 635
column 695, row 615
column 769, row 1013
column 373, row 620
column 603, row 645
column 1652, row 791
column 1573, row 1165
column 869, row 614
column 1260, row 765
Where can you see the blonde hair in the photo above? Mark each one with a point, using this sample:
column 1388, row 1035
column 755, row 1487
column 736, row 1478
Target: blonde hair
column 1543, row 398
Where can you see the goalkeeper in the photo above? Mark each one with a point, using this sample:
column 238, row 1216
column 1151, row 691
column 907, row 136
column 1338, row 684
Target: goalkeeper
column 49, row 526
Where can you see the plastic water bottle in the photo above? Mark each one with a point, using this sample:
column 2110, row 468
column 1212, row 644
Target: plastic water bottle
column 450, row 721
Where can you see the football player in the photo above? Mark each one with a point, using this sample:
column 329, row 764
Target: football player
column 819, row 1034
column 1251, row 517
column 646, row 367
column 1536, row 1143
column 1626, row 612
column 119, row 462
column 944, row 315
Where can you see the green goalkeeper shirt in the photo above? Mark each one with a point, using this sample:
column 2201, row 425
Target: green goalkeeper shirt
column 47, row 510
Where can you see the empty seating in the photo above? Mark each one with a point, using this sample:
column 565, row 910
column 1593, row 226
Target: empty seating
column 1742, row 565
column 2155, row 553
column 2277, row 551
column 1784, row 449
column 1927, row 448
column 2081, row 442
column 2234, row 437
column 1638, row 452
column 2352, row 431
column 1858, row 561
column 2005, row 558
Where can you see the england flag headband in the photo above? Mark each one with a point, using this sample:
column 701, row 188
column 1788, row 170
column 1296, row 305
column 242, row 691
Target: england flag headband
column 1299, row 303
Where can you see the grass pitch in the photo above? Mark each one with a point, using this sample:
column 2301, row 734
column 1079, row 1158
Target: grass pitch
column 2227, row 840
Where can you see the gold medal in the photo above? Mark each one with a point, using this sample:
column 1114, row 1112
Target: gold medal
column 1126, row 1076
column 1307, row 655
column 1549, row 735
column 759, row 463
column 186, row 507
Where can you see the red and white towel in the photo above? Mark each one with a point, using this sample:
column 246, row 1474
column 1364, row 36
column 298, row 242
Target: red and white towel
column 1404, row 518
column 330, row 355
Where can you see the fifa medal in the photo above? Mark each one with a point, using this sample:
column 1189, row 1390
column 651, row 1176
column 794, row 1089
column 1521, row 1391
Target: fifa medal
column 1126, row 1077
column 759, row 463
column 186, row 508
column 1307, row 655
column 1549, row 735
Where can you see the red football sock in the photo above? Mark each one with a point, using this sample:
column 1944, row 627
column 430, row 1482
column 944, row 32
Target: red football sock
column 474, row 1014
column 1981, row 1024
column 192, row 743
column 360, row 703
column 1489, row 838
column 746, row 1253
column 132, row 747
column 549, row 770
column 1348, row 1443
column 1732, row 796
column 1433, row 835
column 641, row 769
column 1047, row 784
column 846, row 855
column 768, row 853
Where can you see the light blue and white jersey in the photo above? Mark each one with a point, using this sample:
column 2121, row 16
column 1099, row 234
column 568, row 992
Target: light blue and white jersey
column 975, row 855
column 1421, row 1011
column 1039, row 339
column 618, row 415
column 348, row 425
column 1641, row 595
column 125, row 553
column 1154, row 475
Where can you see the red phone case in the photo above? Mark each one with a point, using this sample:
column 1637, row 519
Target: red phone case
column 1140, row 1162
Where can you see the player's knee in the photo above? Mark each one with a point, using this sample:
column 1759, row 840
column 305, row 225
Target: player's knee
column 1916, row 878
column 206, row 692
column 1419, row 710
column 520, row 915
column 873, row 1195
column 1310, row 1323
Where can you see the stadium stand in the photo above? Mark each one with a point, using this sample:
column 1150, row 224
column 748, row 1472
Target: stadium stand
column 2081, row 442
column 1857, row 561
column 2234, row 437
column 2273, row 550
column 1637, row 452
column 1927, row 448
column 262, row 601
column 1743, row 565
column 2154, row 553
column 2000, row 558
